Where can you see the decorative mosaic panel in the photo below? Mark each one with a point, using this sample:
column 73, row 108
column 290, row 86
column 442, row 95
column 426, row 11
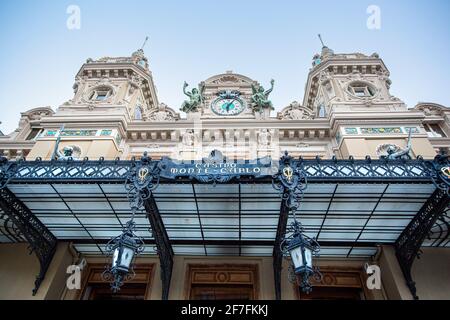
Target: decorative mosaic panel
column 105, row 132
column 381, row 130
column 78, row 133
column 51, row 133
column 351, row 130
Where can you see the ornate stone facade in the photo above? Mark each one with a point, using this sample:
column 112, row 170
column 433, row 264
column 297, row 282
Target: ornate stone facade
column 347, row 110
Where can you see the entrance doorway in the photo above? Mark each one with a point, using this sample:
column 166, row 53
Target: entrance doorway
column 222, row 282
column 95, row 288
column 337, row 284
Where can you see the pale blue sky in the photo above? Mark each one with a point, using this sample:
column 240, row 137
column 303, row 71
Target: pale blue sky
column 192, row 40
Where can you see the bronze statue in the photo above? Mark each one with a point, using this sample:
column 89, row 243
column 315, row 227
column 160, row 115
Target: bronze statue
column 260, row 98
column 195, row 98
column 67, row 153
column 394, row 154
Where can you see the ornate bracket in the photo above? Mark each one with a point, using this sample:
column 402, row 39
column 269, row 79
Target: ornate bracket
column 277, row 253
column 40, row 239
column 439, row 171
column 408, row 244
column 291, row 182
column 143, row 178
column 7, row 171
column 164, row 249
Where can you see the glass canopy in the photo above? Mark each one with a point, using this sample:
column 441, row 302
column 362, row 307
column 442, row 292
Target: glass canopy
column 235, row 219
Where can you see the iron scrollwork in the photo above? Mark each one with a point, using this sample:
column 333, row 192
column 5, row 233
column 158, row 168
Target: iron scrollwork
column 143, row 178
column 41, row 241
column 216, row 168
column 409, row 242
column 439, row 171
column 290, row 181
column 7, row 171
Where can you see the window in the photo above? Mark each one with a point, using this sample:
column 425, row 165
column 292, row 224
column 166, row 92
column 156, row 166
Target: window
column 142, row 63
column 322, row 111
column 101, row 94
column 434, row 130
column 361, row 89
column 33, row 134
column 137, row 113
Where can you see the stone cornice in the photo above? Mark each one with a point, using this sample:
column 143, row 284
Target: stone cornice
column 17, row 144
column 244, row 124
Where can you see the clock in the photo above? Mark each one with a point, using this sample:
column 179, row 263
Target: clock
column 227, row 106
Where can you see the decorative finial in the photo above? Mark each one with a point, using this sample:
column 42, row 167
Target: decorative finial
column 145, row 41
column 321, row 41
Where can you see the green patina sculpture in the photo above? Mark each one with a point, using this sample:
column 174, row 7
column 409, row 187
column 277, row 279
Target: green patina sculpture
column 260, row 98
column 195, row 98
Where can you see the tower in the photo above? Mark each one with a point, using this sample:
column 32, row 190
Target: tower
column 109, row 93
column 353, row 92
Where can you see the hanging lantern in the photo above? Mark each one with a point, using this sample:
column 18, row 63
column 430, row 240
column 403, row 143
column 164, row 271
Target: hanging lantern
column 301, row 249
column 123, row 250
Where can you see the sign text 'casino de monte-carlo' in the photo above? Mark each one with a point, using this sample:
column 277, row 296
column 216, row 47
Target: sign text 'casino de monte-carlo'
column 117, row 195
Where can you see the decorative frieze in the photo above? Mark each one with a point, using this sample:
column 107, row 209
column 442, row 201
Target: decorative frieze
column 78, row 133
column 378, row 130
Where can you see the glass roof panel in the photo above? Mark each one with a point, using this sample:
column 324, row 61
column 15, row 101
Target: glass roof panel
column 92, row 189
column 81, row 211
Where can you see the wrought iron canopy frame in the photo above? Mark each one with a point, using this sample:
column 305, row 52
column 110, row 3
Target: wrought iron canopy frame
column 41, row 241
column 144, row 175
column 315, row 170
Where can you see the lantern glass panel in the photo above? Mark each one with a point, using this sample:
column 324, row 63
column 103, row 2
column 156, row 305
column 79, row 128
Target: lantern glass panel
column 308, row 257
column 296, row 256
column 126, row 258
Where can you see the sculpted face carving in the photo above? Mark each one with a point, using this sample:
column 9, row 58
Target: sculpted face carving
column 295, row 112
column 162, row 114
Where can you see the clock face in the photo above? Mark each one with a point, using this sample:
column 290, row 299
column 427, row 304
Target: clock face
column 227, row 106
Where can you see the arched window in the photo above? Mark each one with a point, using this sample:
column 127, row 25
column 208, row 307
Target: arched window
column 137, row 113
column 322, row 112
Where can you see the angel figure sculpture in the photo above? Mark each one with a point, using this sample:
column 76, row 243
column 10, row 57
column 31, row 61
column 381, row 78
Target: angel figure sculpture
column 260, row 98
column 394, row 154
column 196, row 98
